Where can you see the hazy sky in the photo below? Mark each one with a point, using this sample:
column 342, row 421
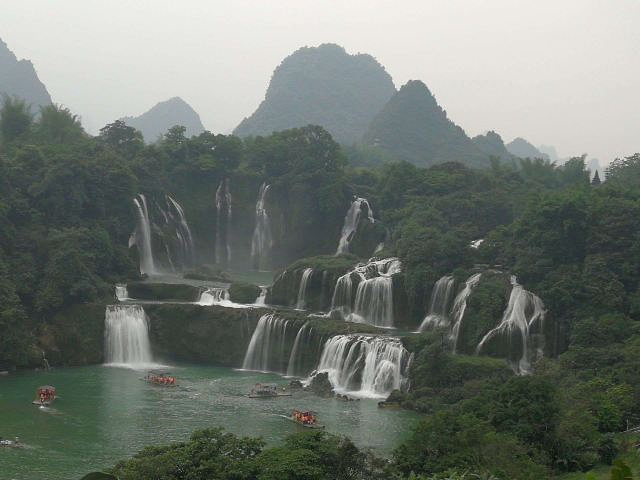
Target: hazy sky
column 558, row 72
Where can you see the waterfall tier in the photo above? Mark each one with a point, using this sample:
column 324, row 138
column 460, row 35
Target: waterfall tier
column 165, row 245
column 218, row 296
column 438, row 315
column 122, row 293
column 262, row 298
column 365, row 366
column 267, row 348
column 350, row 224
column 141, row 237
column 460, row 306
column 223, row 222
column 373, row 301
column 127, row 337
column 302, row 289
column 262, row 240
column 520, row 325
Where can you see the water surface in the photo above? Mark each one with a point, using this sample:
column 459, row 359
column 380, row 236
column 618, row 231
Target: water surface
column 105, row 414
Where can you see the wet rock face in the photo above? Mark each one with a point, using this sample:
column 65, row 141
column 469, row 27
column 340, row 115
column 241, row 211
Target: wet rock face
column 320, row 385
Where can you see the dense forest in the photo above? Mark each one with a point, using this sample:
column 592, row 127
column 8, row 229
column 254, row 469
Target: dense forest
column 66, row 214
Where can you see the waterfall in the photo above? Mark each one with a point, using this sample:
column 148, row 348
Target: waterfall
column 182, row 231
column 223, row 221
column 302, row 290
column 438, row 314
column 523, row 311
column 141, row 237
column 262, row 240
column 261, row 300
column 127, row 336
column 218, row 296
column 351, row 223
column 341, row 299
column 121, row 292
column 459, row 307
column 373, row 302
column 366, row 366
column 266, row 350
column 302, row 338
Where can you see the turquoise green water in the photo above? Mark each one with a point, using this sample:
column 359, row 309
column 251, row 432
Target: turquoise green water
column 105, row 414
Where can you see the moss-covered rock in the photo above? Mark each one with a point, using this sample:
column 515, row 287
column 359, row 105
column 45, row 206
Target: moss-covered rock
column 163, row 291
column 241, row 292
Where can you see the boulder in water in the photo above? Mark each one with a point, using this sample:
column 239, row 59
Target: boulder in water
column 320, row 385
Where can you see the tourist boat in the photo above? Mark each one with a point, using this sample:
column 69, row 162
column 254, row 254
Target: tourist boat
column 306, row 419
column 160, row 378
column 4, row 443
column 267, row 391
column 45, row 395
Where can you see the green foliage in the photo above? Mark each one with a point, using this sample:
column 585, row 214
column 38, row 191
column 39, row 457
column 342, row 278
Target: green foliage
column 15, row 119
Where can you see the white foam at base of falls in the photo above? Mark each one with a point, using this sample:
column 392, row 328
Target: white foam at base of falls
column 262, row 298
column 127, row 337
column 218, row 296
column 364, row 365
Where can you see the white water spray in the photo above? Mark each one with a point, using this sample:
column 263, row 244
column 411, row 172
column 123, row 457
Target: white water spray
column 524, row 311
column 127, row 337
column 459, row 307
column 350, row 224
column 302, row 289
column 438, row 315
column 365, row 366
column 262, row 240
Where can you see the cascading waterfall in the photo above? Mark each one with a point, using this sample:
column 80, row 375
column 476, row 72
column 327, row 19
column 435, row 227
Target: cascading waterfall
column 127, row 336
column 262, row 240
column 223, row 222
column 302, row 338
column 351, row 223
column 302, row 290
column 523, row 312
column 373, row 303
column 182, row 231
column 121, row 292
column 366, row 366
column 438, row 315
column 341, row 299
column 141, row 237
column 218, row 296
column 214, row 296
column 459, row 307
column 262, row 298
column 266, row 350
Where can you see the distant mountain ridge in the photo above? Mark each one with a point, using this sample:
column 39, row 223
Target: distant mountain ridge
column 523, row 149
column 18, row 78
column 161, row 117
column 324, row 86
column 413, row 127
column 491, row 144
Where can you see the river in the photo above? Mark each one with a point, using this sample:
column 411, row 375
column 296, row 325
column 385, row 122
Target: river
column 104, row 414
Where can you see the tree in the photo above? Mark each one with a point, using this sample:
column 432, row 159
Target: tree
column 125, row 139
column 15, row 118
